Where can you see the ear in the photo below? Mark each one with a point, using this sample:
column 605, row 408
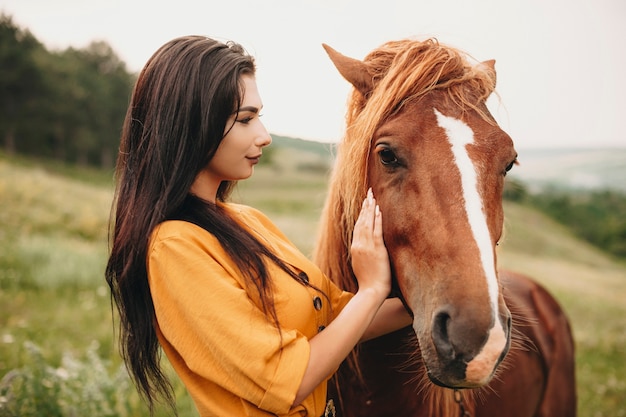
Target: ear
column 353, row 70
column 490, row 68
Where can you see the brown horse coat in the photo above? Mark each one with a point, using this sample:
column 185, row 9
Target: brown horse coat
column 537, row 378
column 420, row 135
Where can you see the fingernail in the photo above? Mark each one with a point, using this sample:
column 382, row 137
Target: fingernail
column 377, row 210
column 370, row 195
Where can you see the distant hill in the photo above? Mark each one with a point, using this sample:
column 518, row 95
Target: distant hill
column 318, row 148
column 603, row 168
column 573, row 168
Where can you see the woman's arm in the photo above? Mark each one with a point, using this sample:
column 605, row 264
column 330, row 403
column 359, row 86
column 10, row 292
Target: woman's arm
column 330, row 347
column 370, row 263
column 391, row 316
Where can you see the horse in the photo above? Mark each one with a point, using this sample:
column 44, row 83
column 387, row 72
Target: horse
column 483, row 342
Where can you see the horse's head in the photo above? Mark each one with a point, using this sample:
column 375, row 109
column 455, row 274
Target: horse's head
column 436, row 160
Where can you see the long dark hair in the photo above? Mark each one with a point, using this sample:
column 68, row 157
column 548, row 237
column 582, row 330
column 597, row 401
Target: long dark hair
column 175, row 122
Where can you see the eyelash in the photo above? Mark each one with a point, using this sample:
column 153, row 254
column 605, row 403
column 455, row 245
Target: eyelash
column 247, row 120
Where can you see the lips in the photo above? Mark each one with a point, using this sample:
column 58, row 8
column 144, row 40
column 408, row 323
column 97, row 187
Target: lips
column 254, row 159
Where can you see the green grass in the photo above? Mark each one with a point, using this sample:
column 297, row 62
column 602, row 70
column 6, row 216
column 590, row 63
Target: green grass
column 591, row 287
column 55, row 316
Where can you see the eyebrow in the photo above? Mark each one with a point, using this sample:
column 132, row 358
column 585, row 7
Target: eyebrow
column 251, row 109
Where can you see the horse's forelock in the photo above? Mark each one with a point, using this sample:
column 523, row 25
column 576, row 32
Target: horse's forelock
column 408, row 69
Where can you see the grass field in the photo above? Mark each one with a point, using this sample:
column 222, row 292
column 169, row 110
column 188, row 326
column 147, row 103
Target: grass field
column 56, row 335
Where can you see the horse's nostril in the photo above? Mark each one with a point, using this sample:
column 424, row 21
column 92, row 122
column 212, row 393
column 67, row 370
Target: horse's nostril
column 441, row 339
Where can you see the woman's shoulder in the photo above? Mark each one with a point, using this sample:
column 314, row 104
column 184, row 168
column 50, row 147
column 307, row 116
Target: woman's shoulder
column 244, row 209
column 245, row 213
column 178, row 230
column 255, row 219
column 173, row 228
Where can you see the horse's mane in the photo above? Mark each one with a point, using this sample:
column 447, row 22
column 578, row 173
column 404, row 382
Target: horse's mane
column 401, row 71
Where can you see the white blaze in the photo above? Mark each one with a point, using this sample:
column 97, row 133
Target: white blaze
column 460, row 135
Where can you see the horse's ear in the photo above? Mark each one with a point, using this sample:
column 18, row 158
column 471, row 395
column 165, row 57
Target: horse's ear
column 490, row 68
column 351, row 69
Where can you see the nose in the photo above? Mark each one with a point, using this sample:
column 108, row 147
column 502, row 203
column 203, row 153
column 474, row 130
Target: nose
column 263, row 137
column 462, row 344
column 441, row 338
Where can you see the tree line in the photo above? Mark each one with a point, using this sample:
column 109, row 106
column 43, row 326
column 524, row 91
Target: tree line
column 67, row 105
column 596, row 216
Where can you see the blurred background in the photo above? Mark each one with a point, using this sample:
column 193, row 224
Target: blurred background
column 66, row 71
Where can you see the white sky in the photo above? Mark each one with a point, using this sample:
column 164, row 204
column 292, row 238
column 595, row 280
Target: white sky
column 561, row 63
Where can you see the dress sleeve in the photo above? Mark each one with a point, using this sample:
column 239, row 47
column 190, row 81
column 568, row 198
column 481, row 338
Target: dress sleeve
column 338, row 297
column 208, row 317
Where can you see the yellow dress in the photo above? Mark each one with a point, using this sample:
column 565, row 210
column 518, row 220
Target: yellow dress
column 231, row 358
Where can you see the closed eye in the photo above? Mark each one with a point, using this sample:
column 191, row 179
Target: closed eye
column 248, row 118
column 245, row 120
column 246, row 114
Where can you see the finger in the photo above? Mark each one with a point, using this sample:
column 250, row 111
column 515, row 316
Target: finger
column 368, row 213
column 364, row 226
column 378, row 222
column 364, row 206
column 374, row 208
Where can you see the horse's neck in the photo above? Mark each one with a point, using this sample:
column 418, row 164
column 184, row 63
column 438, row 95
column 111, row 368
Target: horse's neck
column 443, row 403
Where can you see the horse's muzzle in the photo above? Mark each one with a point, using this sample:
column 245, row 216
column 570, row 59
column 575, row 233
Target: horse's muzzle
column 466, row 357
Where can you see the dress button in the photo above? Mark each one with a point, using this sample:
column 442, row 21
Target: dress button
column 304, row 277
column 319, row 329
column 317, row 303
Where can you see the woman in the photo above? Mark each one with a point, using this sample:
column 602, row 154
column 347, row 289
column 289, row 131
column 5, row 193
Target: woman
column 250, row 325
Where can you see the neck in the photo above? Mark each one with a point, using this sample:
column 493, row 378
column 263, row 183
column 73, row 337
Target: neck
column 204, row 188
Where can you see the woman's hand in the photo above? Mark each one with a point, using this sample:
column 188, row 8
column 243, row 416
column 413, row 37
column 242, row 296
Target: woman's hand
column 370, row 260
column 370, row 263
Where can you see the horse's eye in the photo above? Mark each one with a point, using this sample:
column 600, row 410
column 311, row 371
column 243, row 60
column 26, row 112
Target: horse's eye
column 387, row 157
column 510, row 166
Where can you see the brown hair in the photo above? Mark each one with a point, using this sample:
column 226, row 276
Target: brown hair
column 176, row 120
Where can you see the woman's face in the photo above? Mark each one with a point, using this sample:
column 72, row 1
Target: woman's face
column 240, row 148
